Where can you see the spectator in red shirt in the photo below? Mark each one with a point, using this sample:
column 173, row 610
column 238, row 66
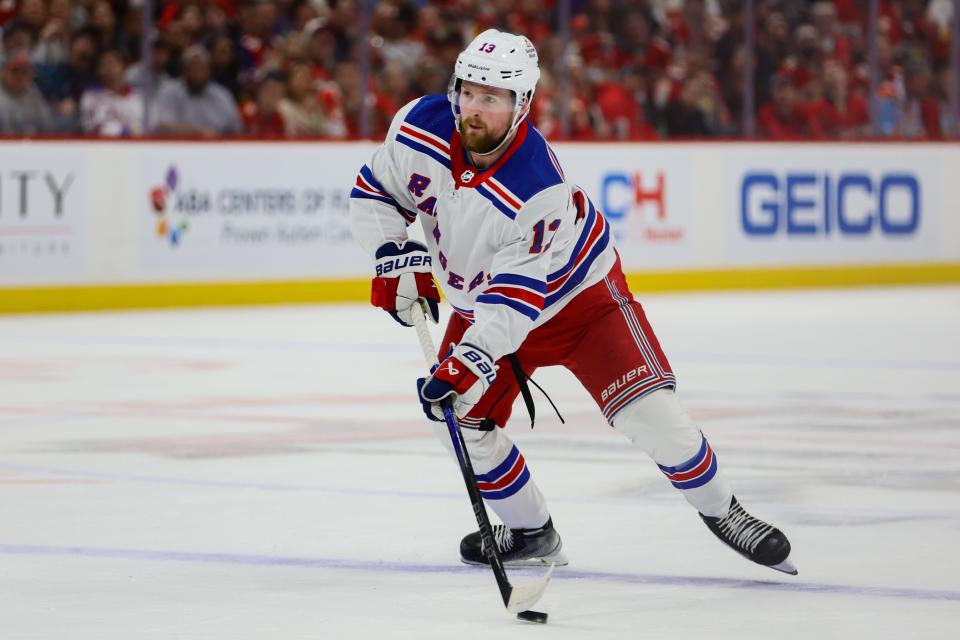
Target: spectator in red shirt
column 618, row 110
column 838, row 113
column 545, row 111
column 784, row 117
column 532, row 18
column 849, row 13
column 807, row 60
column 8, row 10
column 833, row 42
column 262, row 117
column 599, row 50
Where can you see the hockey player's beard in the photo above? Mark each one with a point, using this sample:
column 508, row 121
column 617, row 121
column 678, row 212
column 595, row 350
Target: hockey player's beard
column 478, row 141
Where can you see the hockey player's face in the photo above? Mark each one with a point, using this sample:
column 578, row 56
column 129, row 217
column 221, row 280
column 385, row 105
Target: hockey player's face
column 485, row 116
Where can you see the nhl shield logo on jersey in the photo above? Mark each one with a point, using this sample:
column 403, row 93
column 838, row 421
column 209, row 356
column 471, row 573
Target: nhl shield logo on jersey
column 467, row 176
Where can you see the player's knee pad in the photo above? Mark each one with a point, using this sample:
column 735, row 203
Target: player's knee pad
column 658, row 424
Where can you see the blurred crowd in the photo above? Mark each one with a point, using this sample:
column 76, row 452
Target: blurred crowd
column 623, row 69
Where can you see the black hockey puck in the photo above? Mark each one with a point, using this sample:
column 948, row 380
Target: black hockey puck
column 532, row 616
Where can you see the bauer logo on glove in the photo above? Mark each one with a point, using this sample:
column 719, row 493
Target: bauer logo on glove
column 403, row 278
column 461, row 379
column 403, row 264
column 481, row 363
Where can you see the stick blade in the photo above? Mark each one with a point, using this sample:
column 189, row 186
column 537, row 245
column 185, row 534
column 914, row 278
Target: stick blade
column 524, row 596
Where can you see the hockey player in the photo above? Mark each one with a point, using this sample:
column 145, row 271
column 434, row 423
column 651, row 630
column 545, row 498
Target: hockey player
column 528, row 264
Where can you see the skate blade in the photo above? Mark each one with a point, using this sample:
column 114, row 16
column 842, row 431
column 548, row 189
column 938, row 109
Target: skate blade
column 786, row 566
column 558, row 559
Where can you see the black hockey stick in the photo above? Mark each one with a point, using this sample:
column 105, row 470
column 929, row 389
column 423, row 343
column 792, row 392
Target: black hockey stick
column 516, row 598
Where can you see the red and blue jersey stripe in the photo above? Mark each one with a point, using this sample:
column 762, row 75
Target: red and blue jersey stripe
column 555, row 162
column 594, row 238
column 695, row 472
column 524, row 174
column 425, row 142
column 504, row 200
column 532, row 169
column 521, row 293
column 369, row 188
column 506, row 479
column 428, row 127
column 466, row 314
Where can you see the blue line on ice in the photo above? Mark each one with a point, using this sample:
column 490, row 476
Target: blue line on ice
column 402, row 567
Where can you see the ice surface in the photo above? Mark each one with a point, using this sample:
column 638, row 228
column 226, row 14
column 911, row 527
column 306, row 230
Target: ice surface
column 266, row 473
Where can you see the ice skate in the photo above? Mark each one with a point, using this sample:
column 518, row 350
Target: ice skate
column 518, row 547
column 752, row 538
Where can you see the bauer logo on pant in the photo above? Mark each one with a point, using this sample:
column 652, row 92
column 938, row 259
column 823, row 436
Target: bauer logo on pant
column 636, row 374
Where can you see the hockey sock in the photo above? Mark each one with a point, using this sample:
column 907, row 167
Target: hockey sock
column 700, row 480
column 503, row 477
column 659, row 425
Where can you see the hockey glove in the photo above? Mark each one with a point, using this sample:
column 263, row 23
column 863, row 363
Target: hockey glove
column 462, row 378
column 403, row 277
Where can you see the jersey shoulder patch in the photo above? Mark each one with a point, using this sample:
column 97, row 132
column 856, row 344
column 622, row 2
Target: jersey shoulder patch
column 427, row 128
column 532, row 168
column 432, row 114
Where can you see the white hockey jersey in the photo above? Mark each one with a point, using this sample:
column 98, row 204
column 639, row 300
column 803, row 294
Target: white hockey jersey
column 511, row 245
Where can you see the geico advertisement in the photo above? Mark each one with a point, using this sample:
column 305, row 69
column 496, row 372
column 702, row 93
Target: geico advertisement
column 42, row 214
column 831, row 204
column 249, row 210
column 644, row 195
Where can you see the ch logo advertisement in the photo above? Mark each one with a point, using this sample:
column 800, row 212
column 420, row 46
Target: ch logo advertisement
column 844, row 204
column 637, row 207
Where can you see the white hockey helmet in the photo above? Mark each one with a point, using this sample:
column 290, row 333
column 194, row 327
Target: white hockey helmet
column 498, row 59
